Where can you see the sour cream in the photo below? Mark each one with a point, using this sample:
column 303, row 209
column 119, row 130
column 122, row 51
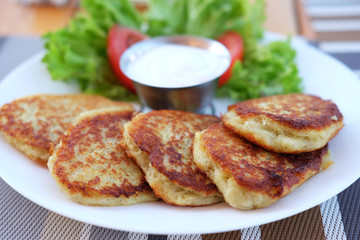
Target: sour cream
column 175, row 66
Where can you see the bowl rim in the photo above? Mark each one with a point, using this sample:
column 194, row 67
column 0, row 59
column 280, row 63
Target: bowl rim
column 171, row 39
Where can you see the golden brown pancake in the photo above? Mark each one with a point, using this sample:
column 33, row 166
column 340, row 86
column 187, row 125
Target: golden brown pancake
column 35, row 123
column 247, row 175
column 291, row 123
column 161, row 143
column 91, row 167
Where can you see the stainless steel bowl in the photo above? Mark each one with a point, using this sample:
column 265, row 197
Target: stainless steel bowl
column 193, row 98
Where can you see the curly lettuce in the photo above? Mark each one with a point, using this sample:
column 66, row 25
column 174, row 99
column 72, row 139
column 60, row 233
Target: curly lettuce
column 268, row 70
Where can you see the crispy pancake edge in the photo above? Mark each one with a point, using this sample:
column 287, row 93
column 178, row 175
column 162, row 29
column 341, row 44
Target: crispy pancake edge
column 329, row 113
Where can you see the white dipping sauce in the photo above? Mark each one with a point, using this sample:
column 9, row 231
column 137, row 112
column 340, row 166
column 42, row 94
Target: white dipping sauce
column 174, row 66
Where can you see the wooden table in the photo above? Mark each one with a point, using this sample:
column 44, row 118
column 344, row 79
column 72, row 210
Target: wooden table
column 35, row 20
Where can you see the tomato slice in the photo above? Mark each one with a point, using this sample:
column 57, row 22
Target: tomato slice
column 234, row 43
column 118, row 40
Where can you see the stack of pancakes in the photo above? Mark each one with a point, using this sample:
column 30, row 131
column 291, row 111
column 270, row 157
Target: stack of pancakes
column 78, row 137
column 265, row 148
column 102, row 152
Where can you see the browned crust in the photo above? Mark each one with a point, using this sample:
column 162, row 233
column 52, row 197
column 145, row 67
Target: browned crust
column 144, row 131
column 32, row 155
column 66, row 153
column 257, row 169
column 298, row 111
column 54, row 111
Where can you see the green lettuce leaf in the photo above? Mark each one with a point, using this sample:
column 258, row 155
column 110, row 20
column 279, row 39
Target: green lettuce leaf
column 268, row 70
column 207, row 18
column 78, row 52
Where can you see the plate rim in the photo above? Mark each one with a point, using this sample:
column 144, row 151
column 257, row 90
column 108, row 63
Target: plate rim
column 38, row 56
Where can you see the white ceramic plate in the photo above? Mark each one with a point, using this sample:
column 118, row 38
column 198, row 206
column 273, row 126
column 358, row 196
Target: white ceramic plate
column 323, row 76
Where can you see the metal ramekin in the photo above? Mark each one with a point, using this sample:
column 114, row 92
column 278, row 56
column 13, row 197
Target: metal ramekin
column 193, row 98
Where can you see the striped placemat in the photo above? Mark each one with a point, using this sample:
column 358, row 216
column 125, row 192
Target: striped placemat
column 336, row 24
column 337, row 218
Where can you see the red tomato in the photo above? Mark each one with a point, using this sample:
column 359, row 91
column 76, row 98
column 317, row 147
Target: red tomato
column 234, row 43
column 119, row 39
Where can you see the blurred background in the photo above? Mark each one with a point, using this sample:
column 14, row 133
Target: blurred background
column 334, row 25
column 36, row 17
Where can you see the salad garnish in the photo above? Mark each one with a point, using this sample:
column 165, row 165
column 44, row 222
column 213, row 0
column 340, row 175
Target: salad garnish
column 80, row 51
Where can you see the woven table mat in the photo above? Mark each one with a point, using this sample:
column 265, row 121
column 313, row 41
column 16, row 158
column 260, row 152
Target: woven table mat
column 337, row 218
column 336, row 26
